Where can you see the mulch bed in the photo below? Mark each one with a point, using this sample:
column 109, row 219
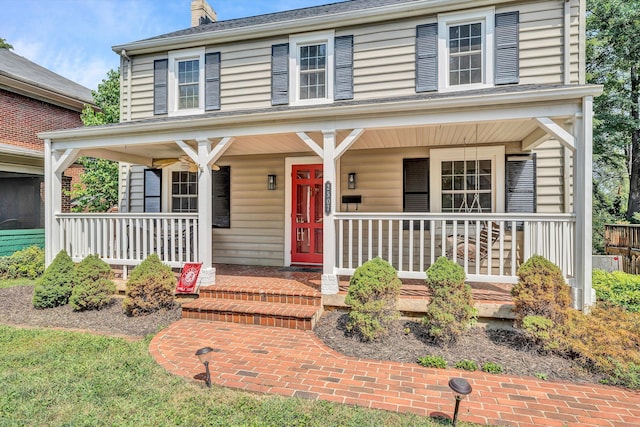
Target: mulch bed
column 506, row 347
column 16, row 309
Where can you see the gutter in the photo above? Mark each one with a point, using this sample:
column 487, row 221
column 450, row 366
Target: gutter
column 242, row 117
column 33, row 90
column 284, row 28
column 19, row 151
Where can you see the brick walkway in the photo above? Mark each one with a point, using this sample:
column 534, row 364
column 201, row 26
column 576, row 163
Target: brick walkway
column 297, row 364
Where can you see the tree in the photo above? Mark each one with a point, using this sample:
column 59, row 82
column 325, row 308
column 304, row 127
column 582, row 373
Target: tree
column 613, row 60
column 4, row 44
column 98, row 190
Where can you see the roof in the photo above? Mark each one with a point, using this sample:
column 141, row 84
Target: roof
column 289, row 15
column 25, row 74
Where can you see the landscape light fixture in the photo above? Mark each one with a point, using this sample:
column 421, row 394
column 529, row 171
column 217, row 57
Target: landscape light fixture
column 271, row 182
column 204, row 354
column 461, row 388
column 351, row 181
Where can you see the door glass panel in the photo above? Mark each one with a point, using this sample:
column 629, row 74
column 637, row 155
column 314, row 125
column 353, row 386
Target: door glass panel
column 303, row 245
column 302, row 205
column 317, row 200
column 318, row 241
column 303, row 174
column 318, row 173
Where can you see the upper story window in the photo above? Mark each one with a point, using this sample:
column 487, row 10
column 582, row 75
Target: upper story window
column 186, row 82
column 466, row 50
column 311, row 59
column 313, row 71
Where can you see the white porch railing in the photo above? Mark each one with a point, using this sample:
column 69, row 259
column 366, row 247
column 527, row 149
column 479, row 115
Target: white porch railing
column 127, row 239
column 490, row 247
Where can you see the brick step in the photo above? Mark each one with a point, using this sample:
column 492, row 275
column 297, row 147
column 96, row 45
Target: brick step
column 294, row 316
column 262, row 293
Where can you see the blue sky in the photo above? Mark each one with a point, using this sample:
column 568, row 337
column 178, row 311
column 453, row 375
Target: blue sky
column 74, row 37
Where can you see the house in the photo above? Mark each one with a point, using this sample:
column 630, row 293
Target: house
column 406, row 129
column 32, row 99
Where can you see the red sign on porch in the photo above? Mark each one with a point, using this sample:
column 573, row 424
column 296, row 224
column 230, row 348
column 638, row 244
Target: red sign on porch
column 188, row 278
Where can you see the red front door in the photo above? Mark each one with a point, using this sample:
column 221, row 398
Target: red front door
column 306, row 218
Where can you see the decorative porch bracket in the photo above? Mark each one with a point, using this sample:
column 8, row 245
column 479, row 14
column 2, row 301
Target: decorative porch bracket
column 330, row 153
column 564, row 137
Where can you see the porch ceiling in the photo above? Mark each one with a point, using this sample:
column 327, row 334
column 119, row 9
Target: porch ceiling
column 493, row 132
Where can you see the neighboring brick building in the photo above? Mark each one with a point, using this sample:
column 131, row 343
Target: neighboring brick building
column 32, row 99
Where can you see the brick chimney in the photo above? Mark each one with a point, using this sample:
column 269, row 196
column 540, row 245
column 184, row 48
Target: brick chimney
column 202, row 13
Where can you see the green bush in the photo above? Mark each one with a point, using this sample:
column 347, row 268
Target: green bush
column 373, row 296
column 150, row 288
column 620, row 288
column 492, row 368
column 27, row 263
column 541, row 291
column 93, row 288
column 55, row 285
column 430, row 361
column 467, row 365
column 540, row 330
column 451, row 310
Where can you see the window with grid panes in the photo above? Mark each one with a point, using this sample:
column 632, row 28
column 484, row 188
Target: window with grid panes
column 465, row 54
column 313, row 71
column 184, row 191
column 462, row 181
column 188, row 84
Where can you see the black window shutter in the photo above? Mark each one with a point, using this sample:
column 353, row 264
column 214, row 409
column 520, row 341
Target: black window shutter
column 416, row 185
column 280, row 74
column 520, row 184
column 152, row 190
column 427, row 57
column 212, row 81
column 160, row 77
column 343, row 85
column 507, row 50
column 222, row 197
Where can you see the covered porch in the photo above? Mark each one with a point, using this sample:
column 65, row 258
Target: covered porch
column 478, row 227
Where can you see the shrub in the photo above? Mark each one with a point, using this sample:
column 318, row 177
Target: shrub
column 430, row 361
column 540, row 330
column 450, row 311
column 28, row 263
column 541, row 291
column 373, row 296
column 467, row 365
column 54, row 287
column 492, row 368
column 606, row 341
column 149, row 288
column 620, row 288
column 93, row 288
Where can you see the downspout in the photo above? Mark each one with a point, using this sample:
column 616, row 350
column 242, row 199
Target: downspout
column 567, row 42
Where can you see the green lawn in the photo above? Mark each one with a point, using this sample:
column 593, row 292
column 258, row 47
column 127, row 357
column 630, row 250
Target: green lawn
column 58, row 378
column 8, row 283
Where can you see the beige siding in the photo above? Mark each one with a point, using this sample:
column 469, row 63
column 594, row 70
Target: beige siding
column 550, row 177
column 384, row 59
column 131, row 188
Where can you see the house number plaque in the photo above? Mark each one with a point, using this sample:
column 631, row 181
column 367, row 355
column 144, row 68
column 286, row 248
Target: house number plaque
column 327, row 198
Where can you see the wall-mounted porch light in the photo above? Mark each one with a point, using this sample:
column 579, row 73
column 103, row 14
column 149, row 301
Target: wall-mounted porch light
column 271, row 182
column 204, row 354
column 351, row 181
column 461, row 388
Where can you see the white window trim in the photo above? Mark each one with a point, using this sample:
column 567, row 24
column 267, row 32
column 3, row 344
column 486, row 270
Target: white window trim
column 487, row 17
column 495, row 154
column 294, row 66
column 175, row 57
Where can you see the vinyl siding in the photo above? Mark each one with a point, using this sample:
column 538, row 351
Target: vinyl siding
column 246, row 66
column 550, row 177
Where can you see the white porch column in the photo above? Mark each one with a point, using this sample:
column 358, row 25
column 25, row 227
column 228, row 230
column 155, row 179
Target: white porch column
column 205, row 210
column 329, row 278
column 52, row 204
column 582, row 184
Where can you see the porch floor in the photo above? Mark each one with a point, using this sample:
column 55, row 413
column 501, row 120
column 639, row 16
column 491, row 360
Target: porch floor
column 493, row 300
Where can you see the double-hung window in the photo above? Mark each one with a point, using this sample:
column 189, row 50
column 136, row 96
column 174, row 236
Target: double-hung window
column 186, row 81
column 466, row 50
column 312, row 61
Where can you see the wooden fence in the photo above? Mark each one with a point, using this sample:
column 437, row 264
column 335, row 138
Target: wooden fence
column 624, row 240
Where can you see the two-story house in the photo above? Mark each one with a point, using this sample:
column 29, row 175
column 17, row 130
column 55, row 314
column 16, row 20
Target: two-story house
column 406, row 129
column 32, row 99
